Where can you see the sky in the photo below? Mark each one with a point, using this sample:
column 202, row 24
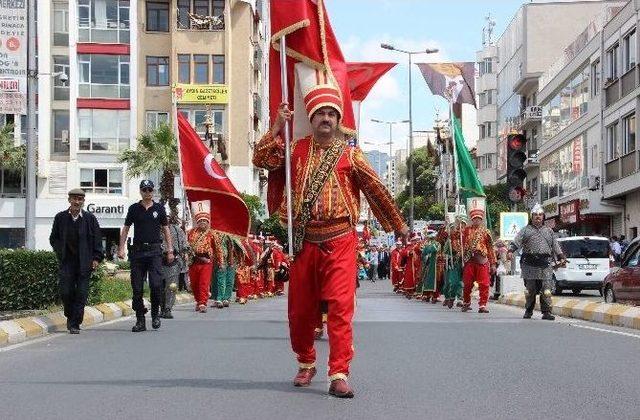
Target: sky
column 453, row 26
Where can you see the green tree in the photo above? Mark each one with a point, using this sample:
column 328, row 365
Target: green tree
column 13, row 158
column 272, row 226
column 497, row 202
column 425, row 177
column 256, row 209
column 157, row 151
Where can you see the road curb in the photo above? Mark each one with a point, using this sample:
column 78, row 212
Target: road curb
column 23, row 329
column 603, row 313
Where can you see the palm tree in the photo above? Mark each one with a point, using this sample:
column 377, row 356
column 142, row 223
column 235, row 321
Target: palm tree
column 156, row 151
column 13, row 158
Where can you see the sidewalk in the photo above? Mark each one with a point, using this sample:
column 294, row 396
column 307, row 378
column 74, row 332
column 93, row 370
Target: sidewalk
column 604, row 313
column 22, row 329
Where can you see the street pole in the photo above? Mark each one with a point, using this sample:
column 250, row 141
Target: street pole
column 411, row 204
column 30, row 173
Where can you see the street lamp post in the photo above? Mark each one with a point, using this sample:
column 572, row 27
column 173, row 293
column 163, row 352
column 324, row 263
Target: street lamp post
column 390, row 124
column 410, row 54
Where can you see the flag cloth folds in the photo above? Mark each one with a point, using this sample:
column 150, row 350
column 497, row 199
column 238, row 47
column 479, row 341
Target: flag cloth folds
column 453, row 81
column 310, row 41
column 363, row 76
column 204, row 179
column 469, row 183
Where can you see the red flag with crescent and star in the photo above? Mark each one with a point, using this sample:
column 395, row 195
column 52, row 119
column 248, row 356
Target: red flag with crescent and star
column 204, row 179
column 363, row 76
column 310, row 40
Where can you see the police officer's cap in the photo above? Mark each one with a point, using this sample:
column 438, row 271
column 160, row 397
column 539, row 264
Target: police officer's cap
column 76, row 192
column 146, row 183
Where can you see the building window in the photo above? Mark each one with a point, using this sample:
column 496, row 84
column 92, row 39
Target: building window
column 157, row 71
column 595, row 78
column 200, row 69
column 60, row 132
column 103, row 76
column 482, row 131
column 60, row 88
column 203, row 8
column 629, row 52
column 489, row 129
column 61, row 24
column 103, row 130
column 155, row 119
column 218, row 69
column 594, row 156
column 612, row 142
column 12, row 183
column 197, row 118
column 157, row 16
column 103, row 21
column 101, row 181
column 184, row 68
column 629, row 134
column 612, row 63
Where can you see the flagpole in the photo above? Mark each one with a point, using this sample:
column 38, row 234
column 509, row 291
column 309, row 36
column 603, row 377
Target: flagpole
column 287, row 143
column 455, row 168
column 176, row 133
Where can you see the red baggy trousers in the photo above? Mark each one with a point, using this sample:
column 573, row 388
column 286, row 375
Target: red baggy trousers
column 200, row 277
column 479, row 273
column 324, row 272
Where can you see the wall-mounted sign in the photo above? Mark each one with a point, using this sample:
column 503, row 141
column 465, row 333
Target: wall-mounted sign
column 201, row 94
column 13, row 57
column 106, row 211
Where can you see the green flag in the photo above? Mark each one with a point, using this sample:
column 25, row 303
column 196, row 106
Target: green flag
column 470, row 185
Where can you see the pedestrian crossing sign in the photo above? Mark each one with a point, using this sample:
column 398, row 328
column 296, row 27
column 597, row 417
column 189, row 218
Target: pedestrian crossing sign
column 511, row 223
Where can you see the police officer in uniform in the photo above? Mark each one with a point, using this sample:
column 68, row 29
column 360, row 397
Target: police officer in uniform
column 540, row 248
column 150, row 220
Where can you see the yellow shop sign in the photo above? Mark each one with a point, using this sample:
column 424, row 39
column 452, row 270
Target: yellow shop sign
column 201, row 94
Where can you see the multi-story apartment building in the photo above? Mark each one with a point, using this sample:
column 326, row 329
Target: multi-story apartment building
column 620, row 102
column 570, row 141
column 533, row 40
column 486, row 89
column 119, row 60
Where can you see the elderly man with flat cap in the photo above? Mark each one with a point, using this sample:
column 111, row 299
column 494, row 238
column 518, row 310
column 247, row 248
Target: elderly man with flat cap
column 77, row 241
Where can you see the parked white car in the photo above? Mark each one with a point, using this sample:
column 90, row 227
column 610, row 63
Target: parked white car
column 588, row 263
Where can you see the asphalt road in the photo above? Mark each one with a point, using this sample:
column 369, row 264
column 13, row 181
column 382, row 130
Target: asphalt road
column 413, row 361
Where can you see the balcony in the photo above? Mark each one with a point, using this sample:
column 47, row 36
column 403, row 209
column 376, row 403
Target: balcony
column 530, row 114
column 628, row 82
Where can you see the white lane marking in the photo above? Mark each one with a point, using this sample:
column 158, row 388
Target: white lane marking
column 605, row 330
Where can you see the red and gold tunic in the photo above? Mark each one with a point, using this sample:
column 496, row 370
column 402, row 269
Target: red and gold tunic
column 477, row 241
column 205, row 244
column 337, row 209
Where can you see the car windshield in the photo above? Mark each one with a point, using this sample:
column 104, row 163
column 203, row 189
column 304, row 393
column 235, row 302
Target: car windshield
column 585, row 248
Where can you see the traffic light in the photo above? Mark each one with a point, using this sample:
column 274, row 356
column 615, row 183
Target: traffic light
column 516, row 157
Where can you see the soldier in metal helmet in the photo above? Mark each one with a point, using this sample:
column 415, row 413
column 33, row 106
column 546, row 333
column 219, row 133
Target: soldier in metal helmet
column 540, row 248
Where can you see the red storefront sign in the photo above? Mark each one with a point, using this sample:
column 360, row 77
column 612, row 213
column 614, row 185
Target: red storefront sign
column 577, row 155
column 569, row 212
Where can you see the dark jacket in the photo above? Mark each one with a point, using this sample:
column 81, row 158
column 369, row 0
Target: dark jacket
column 89, row 239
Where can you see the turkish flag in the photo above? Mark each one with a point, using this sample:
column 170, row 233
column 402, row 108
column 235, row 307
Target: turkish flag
column 204, row 179
column 309, row 40
column 363, row 76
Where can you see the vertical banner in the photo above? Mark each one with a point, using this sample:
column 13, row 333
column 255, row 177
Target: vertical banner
column 13, row 57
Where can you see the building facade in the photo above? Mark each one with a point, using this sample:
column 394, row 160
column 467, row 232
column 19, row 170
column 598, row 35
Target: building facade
column 119, row 60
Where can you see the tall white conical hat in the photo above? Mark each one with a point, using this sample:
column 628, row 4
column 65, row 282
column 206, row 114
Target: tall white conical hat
column 201, row 210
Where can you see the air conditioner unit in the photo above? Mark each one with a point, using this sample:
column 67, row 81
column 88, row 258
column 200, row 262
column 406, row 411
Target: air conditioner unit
column 594, row 182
